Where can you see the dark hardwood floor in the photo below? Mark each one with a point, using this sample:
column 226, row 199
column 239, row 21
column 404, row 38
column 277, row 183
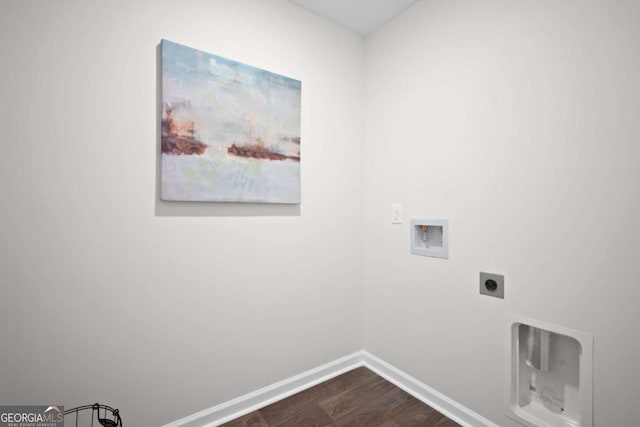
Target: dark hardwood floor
column 356, row 398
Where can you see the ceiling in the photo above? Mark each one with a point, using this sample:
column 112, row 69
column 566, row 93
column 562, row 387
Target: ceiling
column 360, row 16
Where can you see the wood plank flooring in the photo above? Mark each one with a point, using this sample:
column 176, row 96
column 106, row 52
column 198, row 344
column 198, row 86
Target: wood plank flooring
column 358, row 398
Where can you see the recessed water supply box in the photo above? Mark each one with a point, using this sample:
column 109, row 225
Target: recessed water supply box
column 430, row 237
column 549, row 381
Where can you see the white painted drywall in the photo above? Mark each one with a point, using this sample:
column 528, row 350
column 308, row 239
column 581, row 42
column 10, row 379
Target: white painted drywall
column 159, row 309
column 517, row 121
column 514, row 120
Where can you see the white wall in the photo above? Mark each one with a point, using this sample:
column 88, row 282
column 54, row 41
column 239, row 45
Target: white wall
column 517, row 121
column 159, row 309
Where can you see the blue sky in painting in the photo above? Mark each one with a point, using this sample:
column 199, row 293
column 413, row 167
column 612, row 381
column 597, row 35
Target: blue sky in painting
column 184, row 63
column 228, row 98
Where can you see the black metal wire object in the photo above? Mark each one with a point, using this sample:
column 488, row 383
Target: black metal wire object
column 111, row 417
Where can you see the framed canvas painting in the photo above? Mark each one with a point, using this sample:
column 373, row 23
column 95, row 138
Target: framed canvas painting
column 230, row 131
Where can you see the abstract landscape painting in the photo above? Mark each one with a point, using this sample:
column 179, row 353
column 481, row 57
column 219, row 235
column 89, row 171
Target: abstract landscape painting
column 230, row 131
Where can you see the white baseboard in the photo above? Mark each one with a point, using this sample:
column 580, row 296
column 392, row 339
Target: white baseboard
column 438, row 401
column 253, row 401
